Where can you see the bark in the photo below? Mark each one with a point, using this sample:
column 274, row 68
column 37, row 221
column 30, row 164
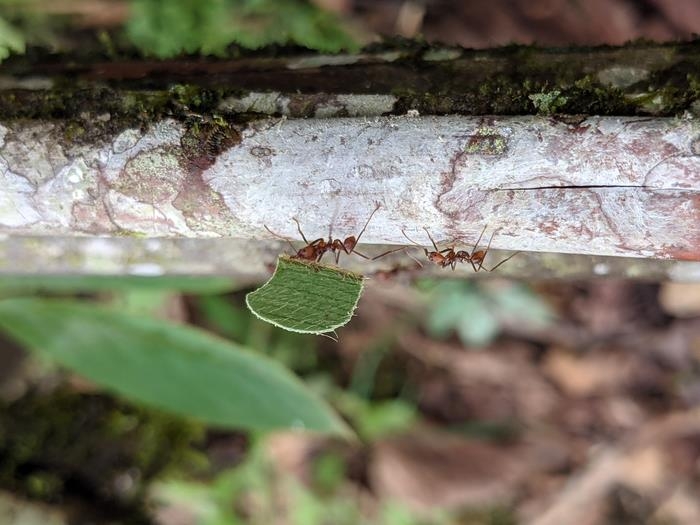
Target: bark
column 639, row 79
column 249, row 262
column 127, row 158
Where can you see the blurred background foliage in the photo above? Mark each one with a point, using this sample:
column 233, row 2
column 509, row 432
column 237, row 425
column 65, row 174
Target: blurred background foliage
column 166, row 29
column 172, row 28
column 476, row 311
column 245, row 486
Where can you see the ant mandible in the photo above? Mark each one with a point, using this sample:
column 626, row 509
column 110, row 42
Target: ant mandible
column 315, row 250
column 450, row 257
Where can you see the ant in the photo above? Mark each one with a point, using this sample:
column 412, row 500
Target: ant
column 450, row 257
column 315, row 250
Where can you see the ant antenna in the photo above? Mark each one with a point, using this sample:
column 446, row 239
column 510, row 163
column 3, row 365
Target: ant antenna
column 387, row 253
column 366, row 223
column 476, row 244
column 411, row 240
column 280, row 237
column 431, row 239
column 504, row 260
column 488, row 246
column 299, row 230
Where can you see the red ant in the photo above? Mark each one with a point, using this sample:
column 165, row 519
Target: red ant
column 450, row 257
column 315, row 250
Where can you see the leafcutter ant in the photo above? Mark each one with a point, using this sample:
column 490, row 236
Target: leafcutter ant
column 315, row 250
column 449, row 257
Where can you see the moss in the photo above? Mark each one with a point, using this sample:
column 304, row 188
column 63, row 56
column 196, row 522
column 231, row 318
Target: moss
column 205, row 140
column 548, row 102
column 87, row 113
column 73, row 131
column 588, row 96
column 67, row 445
column 659, row 80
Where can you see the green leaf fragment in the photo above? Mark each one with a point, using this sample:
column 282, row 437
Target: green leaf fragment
column 168, row 366
column 307, row 297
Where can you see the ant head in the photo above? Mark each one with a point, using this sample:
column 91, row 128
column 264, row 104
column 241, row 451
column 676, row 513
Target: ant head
column 478, row 256
column 463, row 256
column 307, row 253
column 435, row 257
column 349, row 243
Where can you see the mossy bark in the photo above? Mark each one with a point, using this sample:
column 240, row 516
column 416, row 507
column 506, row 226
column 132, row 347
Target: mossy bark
column 639, row 79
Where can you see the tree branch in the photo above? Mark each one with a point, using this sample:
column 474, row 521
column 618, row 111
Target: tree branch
column 129, row 158
column 602, row 186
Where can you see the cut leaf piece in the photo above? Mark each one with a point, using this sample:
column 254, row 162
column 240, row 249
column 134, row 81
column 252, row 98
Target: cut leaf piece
column 168, row 366
column 307, row 297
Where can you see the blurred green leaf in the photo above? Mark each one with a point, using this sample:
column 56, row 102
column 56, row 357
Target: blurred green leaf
column 151, row 303
column 11, row 40
column 166, row 29
column 376, row 419
column 476, row 312
column 225, row 317
column 394, row 513
column 446, row 309
column 168, row 366
column 460, row 306
column 98, row 283
column 295, row 351
column 519, row 303
column 307, row 298
column 329, row 471
column 477, row 325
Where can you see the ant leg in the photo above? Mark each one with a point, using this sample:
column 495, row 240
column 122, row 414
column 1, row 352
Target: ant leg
column 366, row 223
column 420, row 264
column 299, row 229
column 431, row 239
column 504, row 260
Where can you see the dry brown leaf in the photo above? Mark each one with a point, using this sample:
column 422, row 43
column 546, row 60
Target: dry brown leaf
column 680, row 299
column 681, row 508
column 496, row 384
column 429, row 470
column 644, row 470
column 592, row 374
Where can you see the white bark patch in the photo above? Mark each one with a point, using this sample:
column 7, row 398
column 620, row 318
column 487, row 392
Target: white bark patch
column 16, row 206
column 602, row 186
